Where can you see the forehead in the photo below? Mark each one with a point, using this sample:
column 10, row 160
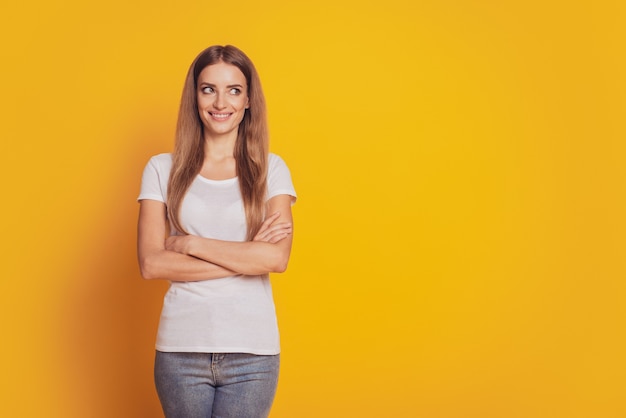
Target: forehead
column 221, row 73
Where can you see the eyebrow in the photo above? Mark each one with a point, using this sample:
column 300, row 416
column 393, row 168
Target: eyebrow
column 230, row 86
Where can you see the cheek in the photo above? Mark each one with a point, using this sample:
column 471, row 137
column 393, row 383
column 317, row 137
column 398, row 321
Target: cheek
column 245, row 102
column 201, row 101
column 240, row 103
column 200, row 107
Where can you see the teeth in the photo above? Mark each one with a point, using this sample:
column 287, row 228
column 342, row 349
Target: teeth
column 220, row 115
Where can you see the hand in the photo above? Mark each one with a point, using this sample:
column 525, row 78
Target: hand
column 271, row 232
column 177, row 243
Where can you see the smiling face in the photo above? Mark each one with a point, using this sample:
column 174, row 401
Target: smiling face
column 222, row 99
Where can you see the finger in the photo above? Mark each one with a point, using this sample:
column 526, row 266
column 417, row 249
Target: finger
column 278, row 227
column 271, row 234
column 268, row 222
column 278, row 234
column 279, row 237
column 265, row 225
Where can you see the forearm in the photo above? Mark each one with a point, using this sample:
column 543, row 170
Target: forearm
column 158, row 262
column 250, row 257
column 173, row 266
column 268, row 252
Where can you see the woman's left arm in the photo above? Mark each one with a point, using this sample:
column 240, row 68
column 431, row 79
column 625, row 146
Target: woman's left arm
column 267, row 253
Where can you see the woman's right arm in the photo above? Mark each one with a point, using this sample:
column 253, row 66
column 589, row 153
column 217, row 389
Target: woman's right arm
column 155, row 262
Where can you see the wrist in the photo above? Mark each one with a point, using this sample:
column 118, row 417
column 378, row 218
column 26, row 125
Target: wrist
column 189, row 244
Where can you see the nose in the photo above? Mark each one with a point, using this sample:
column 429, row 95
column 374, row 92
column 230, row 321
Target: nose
column 219, row 101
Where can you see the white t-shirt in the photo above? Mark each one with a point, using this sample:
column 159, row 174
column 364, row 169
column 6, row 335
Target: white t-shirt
column 233, row 314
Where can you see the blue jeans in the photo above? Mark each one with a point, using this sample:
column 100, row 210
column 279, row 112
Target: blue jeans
column 216, row 385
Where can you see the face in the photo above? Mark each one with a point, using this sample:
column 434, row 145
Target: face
column 222, row 99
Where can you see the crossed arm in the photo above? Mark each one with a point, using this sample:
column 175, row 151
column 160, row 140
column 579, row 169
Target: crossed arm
column 193, row 258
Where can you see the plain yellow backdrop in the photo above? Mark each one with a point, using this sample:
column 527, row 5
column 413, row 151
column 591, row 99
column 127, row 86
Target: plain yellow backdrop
column 460, row 233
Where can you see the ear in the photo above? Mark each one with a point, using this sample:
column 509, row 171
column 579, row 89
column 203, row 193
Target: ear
column 247, row 103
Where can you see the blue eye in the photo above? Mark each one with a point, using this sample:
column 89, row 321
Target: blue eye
column 207, row 90
column 235, row 91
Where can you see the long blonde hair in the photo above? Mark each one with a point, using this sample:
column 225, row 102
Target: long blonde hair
column 251, row 146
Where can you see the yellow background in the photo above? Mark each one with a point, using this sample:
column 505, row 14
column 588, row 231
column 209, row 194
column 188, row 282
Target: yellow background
column 460, row 229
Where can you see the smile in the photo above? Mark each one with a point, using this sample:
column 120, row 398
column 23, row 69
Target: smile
column 220, row 116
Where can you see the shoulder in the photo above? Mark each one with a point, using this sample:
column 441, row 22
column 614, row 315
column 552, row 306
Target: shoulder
column 275, row 162
column 161, row 162
column 279, row 178
column 155, row 177
column 165, row 158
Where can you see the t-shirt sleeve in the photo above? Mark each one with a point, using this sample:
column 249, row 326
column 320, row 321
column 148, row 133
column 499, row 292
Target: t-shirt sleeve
column 279, row 179
column 154, row 180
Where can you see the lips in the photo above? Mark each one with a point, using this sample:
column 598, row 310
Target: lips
column 220, row 116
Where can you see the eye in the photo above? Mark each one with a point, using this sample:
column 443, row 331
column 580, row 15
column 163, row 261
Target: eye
column 235, row 91
column 207, row 90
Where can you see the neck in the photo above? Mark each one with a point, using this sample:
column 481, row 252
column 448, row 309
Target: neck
column 221, row 146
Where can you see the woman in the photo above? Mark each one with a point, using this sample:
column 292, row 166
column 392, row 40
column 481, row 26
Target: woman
column 224, row 204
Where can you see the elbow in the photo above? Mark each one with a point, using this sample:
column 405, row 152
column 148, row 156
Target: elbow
column 147, row 270
column 272, row 263
column 280, row 264
column 280, row 269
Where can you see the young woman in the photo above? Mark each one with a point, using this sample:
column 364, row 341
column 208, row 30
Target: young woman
column 215, row 219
